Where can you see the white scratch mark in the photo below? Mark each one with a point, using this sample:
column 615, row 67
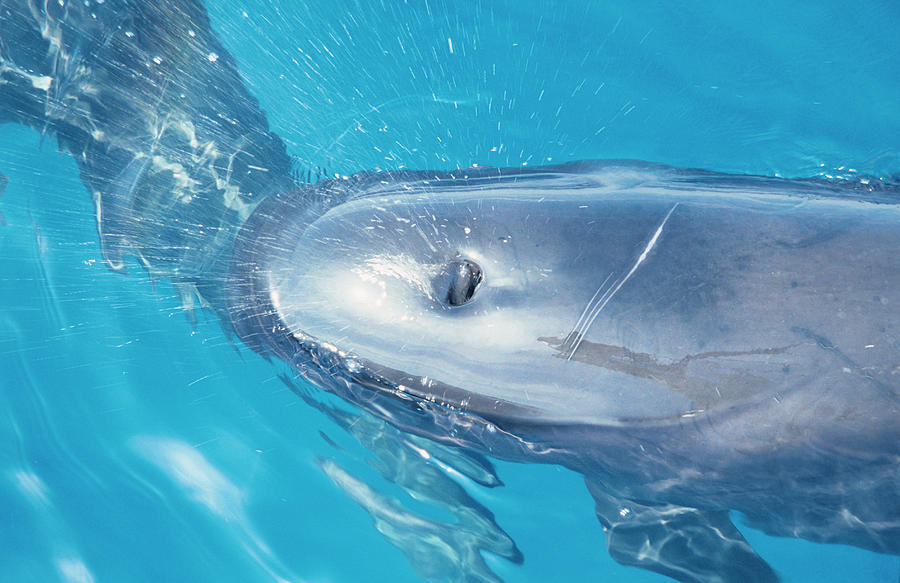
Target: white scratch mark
column 650, row 245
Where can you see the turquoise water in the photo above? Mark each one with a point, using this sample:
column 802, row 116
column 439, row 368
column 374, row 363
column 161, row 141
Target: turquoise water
column 136, row 448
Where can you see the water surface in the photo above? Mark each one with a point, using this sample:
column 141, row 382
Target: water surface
column 138, row 448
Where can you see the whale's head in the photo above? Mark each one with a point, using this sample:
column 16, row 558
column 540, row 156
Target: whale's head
column 601, row 294
column 478, row 290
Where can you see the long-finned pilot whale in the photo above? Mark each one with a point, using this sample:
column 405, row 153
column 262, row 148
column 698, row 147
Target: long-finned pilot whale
column 693, row 343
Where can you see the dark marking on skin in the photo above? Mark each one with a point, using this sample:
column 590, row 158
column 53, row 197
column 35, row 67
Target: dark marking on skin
column 674, row 375
column 826, row 344
column 813, row 240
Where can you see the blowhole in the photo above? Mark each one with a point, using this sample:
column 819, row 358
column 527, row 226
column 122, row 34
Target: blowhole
column 458, row 281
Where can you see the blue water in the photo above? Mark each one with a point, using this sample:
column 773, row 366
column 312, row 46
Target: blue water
column 135, row 448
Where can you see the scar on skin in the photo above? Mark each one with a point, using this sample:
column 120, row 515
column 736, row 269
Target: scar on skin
column 675, row 374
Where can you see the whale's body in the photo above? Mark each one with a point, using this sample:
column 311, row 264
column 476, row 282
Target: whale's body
column 691, row 342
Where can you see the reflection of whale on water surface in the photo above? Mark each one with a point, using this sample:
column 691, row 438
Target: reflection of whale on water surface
column 691, row 342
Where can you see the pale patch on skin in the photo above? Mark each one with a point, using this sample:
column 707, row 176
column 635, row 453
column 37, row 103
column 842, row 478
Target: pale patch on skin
column 231, row 193
column 42, row 82
column 185, row 186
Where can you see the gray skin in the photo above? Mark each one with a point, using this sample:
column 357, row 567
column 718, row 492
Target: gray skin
column 693, row 343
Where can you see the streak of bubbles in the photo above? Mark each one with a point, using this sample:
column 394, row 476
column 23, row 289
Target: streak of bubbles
column 437, row 84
